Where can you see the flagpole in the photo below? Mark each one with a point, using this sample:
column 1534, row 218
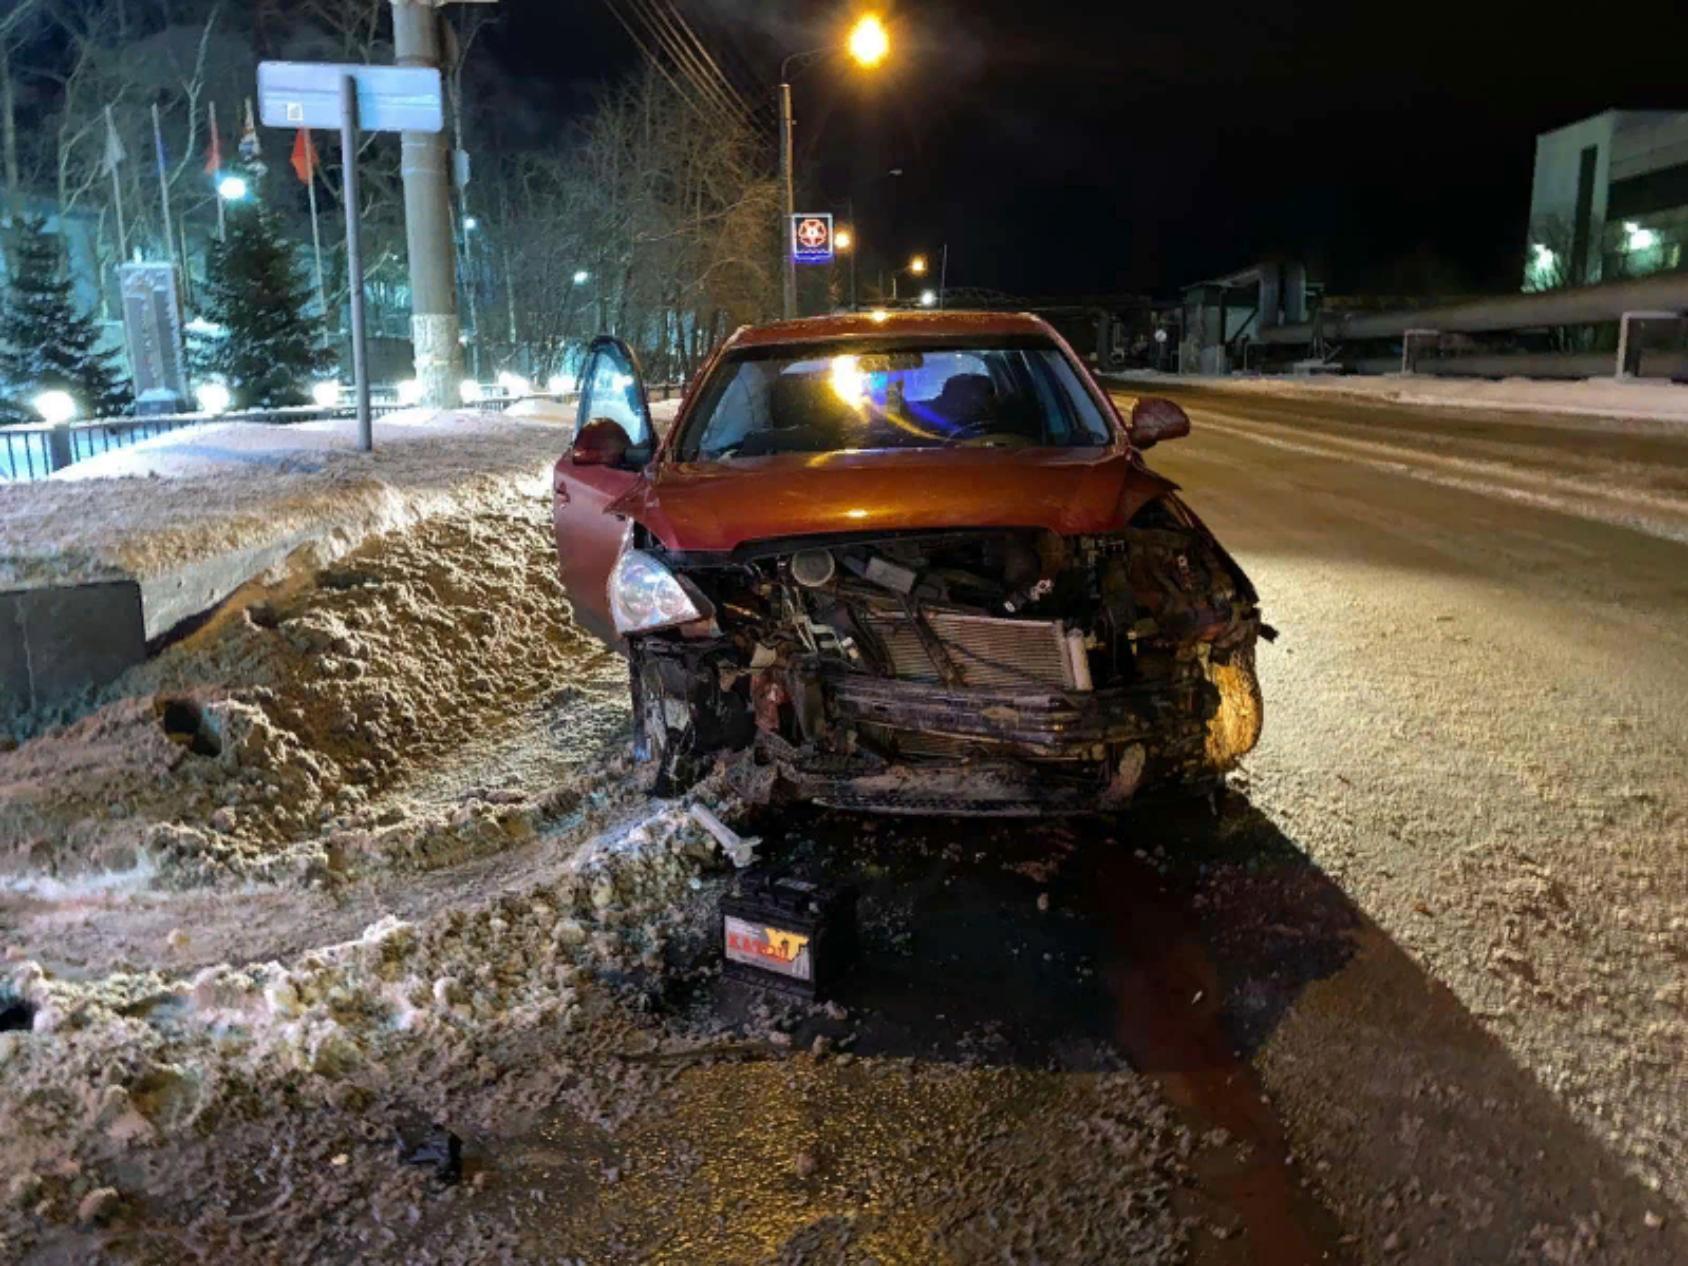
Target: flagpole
column 217, row 159
column 316, row 232
column 163, row 188
column 112, row 162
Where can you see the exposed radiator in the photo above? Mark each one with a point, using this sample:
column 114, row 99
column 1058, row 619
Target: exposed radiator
column 989, row 653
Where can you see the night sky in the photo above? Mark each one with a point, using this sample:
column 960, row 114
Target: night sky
column 1064, row 148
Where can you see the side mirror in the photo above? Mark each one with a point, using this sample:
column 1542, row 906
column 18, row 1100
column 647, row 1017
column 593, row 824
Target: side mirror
column 1155, row 418
column 601, row 442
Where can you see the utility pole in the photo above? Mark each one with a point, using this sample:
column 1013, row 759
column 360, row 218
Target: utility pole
column 789, row 269
column 427, row 221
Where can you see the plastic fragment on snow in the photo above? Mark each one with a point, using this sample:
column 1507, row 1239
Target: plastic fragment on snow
column 740, row 849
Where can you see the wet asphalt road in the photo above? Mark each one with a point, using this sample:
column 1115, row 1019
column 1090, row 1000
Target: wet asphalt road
column 1325, row 965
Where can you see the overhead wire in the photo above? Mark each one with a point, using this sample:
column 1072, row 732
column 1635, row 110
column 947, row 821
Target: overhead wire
column 687, row 63
column 709, row 58
column 704, row 109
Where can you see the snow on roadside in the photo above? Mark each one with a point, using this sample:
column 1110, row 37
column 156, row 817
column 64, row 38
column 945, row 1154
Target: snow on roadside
column 234, row 487
column 281, row 732
column 1592, row 397
column 108, row 1065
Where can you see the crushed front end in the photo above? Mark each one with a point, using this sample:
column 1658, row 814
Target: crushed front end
column 1002, row 672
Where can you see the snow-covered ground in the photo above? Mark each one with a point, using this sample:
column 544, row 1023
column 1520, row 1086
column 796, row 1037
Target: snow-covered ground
column 1597, row 397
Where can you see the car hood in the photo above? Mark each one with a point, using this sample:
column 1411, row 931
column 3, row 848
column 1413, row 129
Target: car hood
column 718, row 506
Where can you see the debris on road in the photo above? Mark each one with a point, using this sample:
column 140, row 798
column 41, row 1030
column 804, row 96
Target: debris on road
column 741, row 851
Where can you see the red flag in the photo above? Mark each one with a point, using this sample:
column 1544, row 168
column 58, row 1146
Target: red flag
column 214, row 151
column 304, row 156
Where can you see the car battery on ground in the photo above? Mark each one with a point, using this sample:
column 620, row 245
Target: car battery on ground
column 781, row 932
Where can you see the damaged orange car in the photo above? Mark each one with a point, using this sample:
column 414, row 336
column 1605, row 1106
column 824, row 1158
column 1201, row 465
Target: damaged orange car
column 906, row 562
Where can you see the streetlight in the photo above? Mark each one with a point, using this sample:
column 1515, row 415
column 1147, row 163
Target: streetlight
column 231, row 188
column 928, row 298
column 917, row 265
column 868, row 43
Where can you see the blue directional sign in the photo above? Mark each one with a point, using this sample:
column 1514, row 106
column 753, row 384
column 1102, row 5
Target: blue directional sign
column 390, row 98
column 811, row 237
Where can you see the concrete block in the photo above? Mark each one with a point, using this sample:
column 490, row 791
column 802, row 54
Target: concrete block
column 58, row 641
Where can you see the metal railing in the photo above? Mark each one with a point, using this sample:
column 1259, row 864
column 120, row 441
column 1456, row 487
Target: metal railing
column 35, row 452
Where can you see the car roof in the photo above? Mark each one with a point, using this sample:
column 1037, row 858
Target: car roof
column 901, row 323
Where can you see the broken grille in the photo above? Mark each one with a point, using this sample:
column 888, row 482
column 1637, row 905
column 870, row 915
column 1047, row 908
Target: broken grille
column 988, row 652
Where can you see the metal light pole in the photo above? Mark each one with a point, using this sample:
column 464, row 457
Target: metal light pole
column 427, row 222
column 788, row 275
column 868, row 43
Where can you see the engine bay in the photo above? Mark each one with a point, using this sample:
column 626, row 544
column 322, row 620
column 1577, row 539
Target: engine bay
column 990, row 670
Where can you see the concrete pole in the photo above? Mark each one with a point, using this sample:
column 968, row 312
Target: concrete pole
column 427, row 222
column 788, row 265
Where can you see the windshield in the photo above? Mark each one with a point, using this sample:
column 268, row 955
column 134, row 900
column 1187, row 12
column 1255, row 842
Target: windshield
column 799, row 400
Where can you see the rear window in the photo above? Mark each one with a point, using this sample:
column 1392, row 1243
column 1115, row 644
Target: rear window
column 803, row 400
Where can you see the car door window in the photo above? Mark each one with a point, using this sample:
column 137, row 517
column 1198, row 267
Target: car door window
column 611, row 388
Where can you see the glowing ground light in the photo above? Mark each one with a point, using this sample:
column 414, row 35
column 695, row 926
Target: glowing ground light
column 879, row 316
column 928, row 298
column 469, row 390
column 231, row 188
column 54, row 406
column 582, row 277
column 514, row 383
column 325, row 394
column 409, row 391
column 869, row 41
column 213, row 397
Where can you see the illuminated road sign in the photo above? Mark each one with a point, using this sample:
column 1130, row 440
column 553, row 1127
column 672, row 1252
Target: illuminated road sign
column 811, row 237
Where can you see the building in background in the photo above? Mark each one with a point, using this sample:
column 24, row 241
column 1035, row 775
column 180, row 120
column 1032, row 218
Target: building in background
column 1609, row 199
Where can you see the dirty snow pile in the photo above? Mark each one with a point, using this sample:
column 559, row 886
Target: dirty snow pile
column 1593, row 397
column 270, row 742
column 138, row 1056
column 208, row 491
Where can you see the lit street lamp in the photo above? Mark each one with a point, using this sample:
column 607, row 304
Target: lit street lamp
column 928, row 298
column 868, row 44
column 917, row 265
column 231, row 188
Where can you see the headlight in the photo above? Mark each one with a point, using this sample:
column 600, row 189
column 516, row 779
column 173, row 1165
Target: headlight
column 645, row 595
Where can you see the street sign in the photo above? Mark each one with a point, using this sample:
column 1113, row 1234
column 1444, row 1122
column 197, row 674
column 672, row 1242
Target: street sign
column 390, row 98
column 811, row 237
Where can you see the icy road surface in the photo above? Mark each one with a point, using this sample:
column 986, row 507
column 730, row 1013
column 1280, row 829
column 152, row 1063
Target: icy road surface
column 1416, row 992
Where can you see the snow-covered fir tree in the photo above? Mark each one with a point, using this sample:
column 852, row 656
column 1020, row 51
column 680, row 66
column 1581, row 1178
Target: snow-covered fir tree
column 46, row 344
column 272, row 349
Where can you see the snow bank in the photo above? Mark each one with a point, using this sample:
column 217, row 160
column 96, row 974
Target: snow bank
column 1593, row 397
column 235, row 447
column 196, row 513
